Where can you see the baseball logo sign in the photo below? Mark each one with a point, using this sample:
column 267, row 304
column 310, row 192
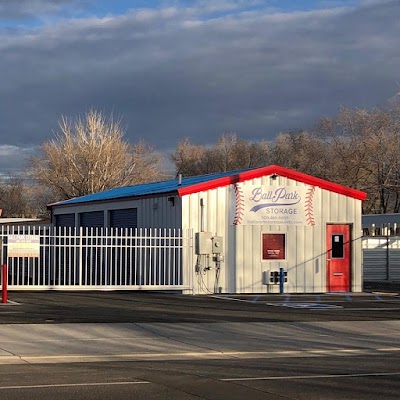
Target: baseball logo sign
column 276, row 205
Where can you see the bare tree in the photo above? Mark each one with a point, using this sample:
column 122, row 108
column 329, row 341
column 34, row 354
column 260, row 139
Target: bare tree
column 90, row 154
column 38, row 198
column 232, row 153
column 302, row 151
column 358, row 148
column 13, row 199
column 229, row 153
column 364, row 148
column 147, row 163
column 188, row 158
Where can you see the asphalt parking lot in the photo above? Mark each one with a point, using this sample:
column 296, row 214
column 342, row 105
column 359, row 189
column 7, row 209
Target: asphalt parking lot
column 105, row 345
column 136, row 307
column 330, row 378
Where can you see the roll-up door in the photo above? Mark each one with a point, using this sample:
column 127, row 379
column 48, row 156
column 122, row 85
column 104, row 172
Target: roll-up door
column 125, row 218
column 92, row 219
column 65, row 220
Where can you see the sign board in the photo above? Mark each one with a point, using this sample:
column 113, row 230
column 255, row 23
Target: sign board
column 273, row 205
column 23, row 246
column 273, row 246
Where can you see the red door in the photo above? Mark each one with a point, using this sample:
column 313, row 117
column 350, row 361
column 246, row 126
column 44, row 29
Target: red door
column 338, row 256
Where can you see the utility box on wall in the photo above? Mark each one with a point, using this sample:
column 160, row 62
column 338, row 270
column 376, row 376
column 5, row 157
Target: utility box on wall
column 217, row 245
column 203, row 243
column 273, row 277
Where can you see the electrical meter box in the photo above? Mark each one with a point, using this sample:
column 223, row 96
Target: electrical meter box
column 272, row 277
column 203, row 243
column 217, row 245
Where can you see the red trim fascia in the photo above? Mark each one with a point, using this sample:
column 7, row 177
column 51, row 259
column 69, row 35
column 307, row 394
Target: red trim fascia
column 270, row 170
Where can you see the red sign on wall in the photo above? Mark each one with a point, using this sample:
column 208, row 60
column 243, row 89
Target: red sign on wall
column 273, row 246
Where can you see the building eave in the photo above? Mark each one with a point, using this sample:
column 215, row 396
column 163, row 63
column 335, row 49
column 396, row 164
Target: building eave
column 271, row 170
column 115, row 200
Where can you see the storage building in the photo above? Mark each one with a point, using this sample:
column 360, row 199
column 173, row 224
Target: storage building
column 246, row 226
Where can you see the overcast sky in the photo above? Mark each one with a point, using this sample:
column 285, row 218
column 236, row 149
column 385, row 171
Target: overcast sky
column 195, row 68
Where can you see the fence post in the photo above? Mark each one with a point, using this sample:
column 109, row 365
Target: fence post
column 387, row 257
column 80, row 257
column 4, row 284
column 4, row 275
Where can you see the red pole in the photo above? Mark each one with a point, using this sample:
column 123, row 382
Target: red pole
column 4, row 280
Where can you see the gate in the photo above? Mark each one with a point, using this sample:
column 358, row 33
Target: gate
column 98, row 258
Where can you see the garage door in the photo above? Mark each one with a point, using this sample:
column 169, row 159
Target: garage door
column 92, row 219
column 65, row 220
column 125, row 218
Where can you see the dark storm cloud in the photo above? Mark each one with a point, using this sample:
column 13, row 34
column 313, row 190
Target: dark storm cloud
column 175, row 72
column 23, row 9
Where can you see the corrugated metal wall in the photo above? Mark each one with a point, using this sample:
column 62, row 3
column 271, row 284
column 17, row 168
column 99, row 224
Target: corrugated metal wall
column 306, row 246
column 152, row 212
column 381, row 259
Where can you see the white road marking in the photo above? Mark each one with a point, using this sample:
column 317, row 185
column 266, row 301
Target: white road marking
column 12, row 312
column 305, row 305
column 332, row 376
column 10, row 303
column 372, row 308
column 233, row 299
column 72, row 385
column 265, row 378
column 290, row 301
column 389, row 349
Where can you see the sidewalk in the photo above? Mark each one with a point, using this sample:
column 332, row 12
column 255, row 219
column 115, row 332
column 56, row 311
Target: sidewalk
column 71, row 343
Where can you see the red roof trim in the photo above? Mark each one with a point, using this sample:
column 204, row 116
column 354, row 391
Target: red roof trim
column 270, row 170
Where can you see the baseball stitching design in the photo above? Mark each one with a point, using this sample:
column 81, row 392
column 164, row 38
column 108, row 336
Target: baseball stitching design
column 309, row 208
column 239, row 205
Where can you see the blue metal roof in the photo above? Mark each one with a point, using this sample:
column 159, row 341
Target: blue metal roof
column 146, row 188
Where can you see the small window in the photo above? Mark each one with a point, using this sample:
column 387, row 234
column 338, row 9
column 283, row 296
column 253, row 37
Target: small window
column 337, row 245
column 273, row 246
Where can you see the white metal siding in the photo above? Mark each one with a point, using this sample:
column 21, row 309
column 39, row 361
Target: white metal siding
column 306, row 245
